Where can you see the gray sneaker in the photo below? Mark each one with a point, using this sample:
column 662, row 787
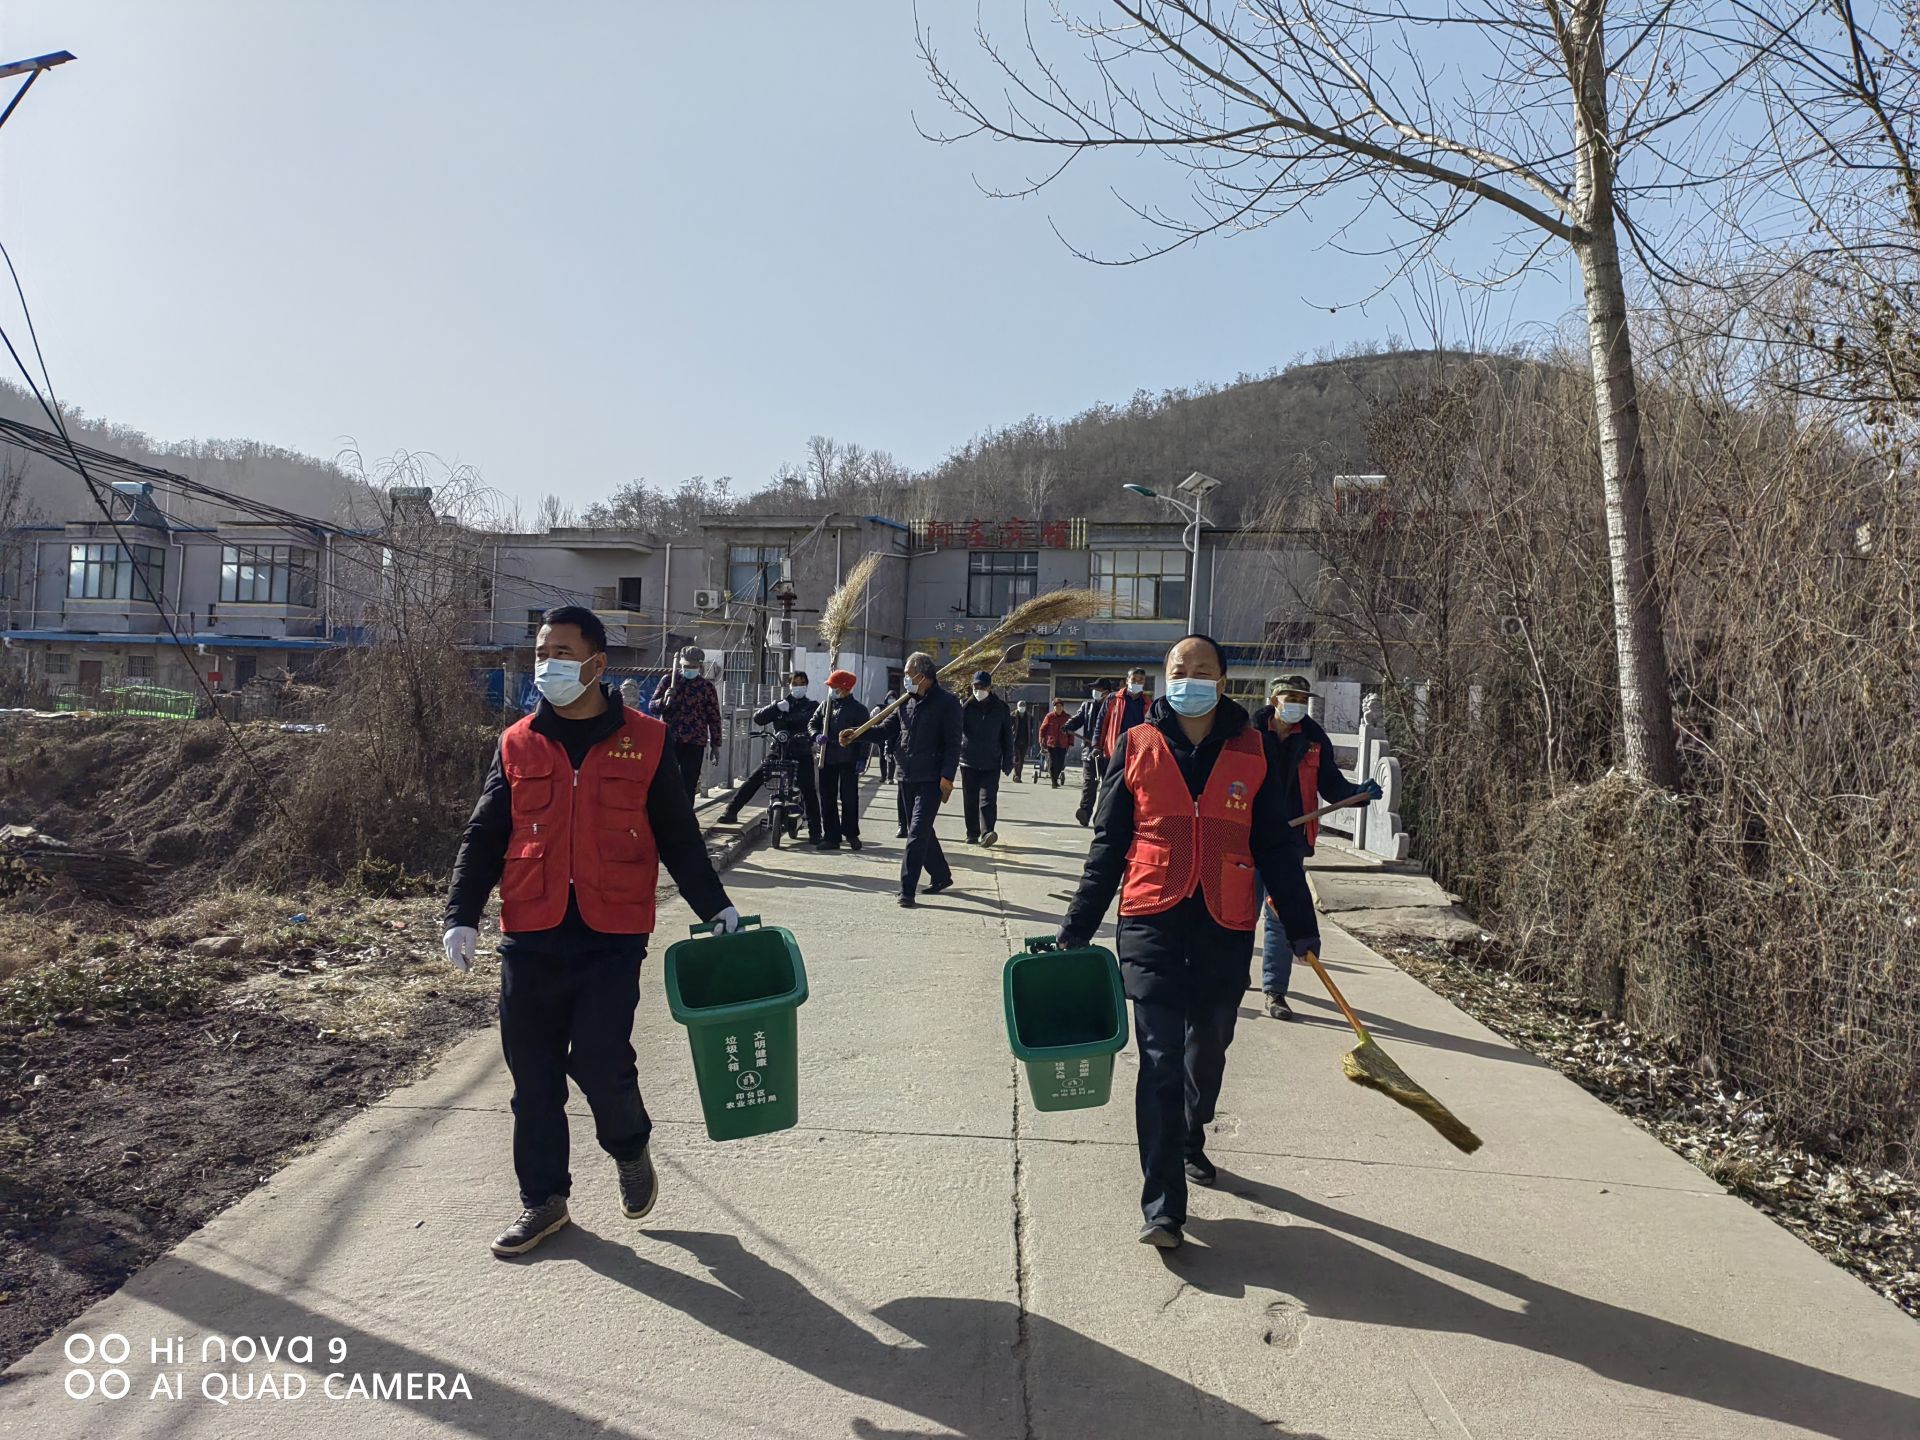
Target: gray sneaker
column 639, row 1186
column 992, row 837
column 535, row 1224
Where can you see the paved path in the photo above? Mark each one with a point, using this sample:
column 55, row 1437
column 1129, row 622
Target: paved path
column 929, row 1256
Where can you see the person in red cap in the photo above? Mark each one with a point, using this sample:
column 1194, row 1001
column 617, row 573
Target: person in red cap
column 839, row 767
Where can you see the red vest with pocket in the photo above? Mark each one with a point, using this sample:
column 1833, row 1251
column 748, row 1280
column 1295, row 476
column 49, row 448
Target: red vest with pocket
column 584, row 831
column 1115, row 723
column 1180, row 844
column 1309, row 784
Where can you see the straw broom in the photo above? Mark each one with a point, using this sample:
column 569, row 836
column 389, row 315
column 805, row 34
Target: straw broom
column 1367, row 1064
column 838, row 614
column 1056, row 607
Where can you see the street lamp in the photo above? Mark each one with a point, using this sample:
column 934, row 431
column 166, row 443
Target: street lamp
column 1199, row 487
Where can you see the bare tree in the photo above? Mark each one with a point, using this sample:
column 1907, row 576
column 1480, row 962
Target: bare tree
column 1573, row 121
column 17, row 512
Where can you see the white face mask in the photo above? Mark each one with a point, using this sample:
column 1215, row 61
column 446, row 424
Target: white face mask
column 1293, row 711
column 1136, row 687
column 835, row 693
column 980, row 694
column 797, row 690
column 559, row 681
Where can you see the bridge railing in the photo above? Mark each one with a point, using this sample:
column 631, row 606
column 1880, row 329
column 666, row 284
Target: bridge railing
column 1374, row 827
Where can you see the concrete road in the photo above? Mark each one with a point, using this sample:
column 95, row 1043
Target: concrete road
column 927, row 1255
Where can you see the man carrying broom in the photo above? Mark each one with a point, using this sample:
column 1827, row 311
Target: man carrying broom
column 1192, row 816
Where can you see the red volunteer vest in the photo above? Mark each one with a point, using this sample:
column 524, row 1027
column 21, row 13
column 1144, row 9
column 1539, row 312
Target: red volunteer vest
column 586, row 830
column 1115, row 724
column 1181, row 845
column 1309, row 784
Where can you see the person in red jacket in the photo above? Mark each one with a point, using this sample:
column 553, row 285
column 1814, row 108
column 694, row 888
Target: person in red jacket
column 1055, row 742
column 1192, row 816
column 583, row 805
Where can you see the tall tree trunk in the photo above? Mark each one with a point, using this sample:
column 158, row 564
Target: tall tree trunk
column 1639, row 611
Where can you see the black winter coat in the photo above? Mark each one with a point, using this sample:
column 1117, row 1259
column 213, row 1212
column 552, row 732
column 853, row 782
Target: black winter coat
column 1022, row 731
column 925, row 733
column 788, row 718
column 829, row 720
column 1182, row 954
column 986, row 734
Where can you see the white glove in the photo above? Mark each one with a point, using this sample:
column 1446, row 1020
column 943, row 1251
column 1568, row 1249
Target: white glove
column 785, row 705
column 461, row 942
column 727, row 922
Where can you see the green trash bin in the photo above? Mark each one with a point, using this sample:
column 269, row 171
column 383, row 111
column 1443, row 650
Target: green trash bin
column 1066, row 1019
column 737, row 995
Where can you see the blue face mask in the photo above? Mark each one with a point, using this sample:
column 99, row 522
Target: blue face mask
column 1292, row 712
column 1193, row 698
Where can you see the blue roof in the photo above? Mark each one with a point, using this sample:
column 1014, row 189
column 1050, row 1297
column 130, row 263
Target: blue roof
column 212, row 642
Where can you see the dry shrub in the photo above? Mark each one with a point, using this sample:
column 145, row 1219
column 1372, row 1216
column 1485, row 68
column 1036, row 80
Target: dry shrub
column 1769, row 922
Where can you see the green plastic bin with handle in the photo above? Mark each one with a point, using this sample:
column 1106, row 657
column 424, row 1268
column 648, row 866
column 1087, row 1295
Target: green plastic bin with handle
column 738, row 996
column 1066, row 1019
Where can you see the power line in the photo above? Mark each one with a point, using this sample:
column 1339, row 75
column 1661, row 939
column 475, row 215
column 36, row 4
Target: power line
column 50, row 404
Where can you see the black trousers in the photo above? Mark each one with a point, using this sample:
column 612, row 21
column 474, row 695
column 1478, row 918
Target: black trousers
column 980, row 798
column 1092, row 771
column 1183, row 1058
column 567, row 1016
column 840, row 803
column 689, row 758
column 802, row 781
column 889, row 762
column 1056, row 767
column 923, row 846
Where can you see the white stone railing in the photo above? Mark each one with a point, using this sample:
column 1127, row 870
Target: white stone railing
column 1373, row 827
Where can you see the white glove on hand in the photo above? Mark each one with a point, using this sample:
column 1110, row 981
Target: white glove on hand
column 784, row 706
column 461, row 942
column 727, row 922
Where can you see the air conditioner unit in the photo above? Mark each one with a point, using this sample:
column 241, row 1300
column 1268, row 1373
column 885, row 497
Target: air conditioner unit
column 780, row 633
column 708, row 599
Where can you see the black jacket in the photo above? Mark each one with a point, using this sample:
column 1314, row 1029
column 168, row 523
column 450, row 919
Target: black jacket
column 986, row 734
column 789, row 717
column 926, row 736
column 829, row 720
column 676, row 833
column 1023, row 731
column 1334, row 784
column 1183, row 952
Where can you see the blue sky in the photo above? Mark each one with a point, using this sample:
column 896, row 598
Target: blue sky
column 575, row 244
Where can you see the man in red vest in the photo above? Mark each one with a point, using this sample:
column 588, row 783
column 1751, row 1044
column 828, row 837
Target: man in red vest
column 582, row 806
column 1192, row 817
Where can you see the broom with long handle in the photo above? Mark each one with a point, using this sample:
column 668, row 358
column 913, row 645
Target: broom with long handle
column 1056, row 607
column 1367, row 1064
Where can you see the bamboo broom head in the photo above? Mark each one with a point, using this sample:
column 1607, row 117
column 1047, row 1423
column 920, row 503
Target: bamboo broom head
column 838, row 614
column 1056, row 607
column 1367, row 1064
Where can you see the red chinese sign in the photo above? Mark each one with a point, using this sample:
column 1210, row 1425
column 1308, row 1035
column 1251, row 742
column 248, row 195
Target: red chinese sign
column 1016, row 533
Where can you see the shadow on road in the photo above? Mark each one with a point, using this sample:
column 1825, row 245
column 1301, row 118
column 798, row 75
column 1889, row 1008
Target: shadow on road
column 1320, row 1264
column 964, row 1372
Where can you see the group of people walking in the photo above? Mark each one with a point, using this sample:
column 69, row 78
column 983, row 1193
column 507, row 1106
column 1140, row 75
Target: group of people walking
column 1190, row 799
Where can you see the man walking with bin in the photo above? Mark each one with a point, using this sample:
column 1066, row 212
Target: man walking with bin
column 1193, row 812
column 926, row 735
column 1055, row 742
column 839, row 766
column 582, row 806
column 1308, row 755
column 789, row 718
column 690, row 705
column 986, row 753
